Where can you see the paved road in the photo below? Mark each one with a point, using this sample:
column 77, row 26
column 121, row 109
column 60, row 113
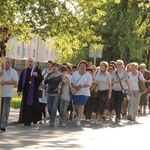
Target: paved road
column 123, row 136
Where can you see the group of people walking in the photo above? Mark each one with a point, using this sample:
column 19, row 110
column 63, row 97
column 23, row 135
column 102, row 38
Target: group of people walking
column 85, row 89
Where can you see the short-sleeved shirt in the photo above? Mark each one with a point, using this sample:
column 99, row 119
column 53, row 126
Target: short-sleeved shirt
column 134, row 80
column 65, row 94
column 9, row 75
column 122, row 77
column 45, row 72
column 103, row 79
column 85, row 79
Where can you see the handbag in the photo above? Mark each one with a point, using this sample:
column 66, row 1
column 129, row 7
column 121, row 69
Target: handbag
column 73, row 90
column 40, row 93
column 94, row 87
column 142, row 86
column 125, row 93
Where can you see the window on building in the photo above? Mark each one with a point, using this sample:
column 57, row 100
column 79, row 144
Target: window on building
column 46, row 54
column 53, row 55
column 29, row 51
column 13, row 50
column 18, row 50
column 24, row 52
column 34, row 52
column 34, row 38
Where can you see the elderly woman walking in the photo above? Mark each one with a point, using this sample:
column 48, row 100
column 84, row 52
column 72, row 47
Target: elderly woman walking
column 134, row 100
column 104, row 89
column 120, row 83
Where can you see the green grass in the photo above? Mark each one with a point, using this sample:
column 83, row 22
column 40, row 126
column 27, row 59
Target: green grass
column 15, row 102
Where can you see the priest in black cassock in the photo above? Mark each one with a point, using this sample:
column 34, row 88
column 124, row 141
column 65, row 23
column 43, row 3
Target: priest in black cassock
column 29, row 82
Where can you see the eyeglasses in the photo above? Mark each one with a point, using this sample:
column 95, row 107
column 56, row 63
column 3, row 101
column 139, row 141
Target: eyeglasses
column 110, row 68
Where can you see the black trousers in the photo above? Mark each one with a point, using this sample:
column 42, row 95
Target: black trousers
column 118, row 99
column 42, row 108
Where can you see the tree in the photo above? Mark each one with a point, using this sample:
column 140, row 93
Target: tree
column 120, row 27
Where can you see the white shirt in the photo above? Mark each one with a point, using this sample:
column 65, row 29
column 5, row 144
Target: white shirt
column 85, row 79
column 69, row 76
column 134, row 80
column 103, row 80
column 9, row 75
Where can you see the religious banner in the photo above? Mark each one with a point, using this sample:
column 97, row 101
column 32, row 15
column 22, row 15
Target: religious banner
column 5, row 34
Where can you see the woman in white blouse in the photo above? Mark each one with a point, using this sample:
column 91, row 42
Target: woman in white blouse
column 135, row 98
column 81, row 80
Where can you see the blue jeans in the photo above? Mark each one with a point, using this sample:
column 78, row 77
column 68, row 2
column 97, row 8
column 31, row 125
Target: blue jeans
column 52, row 104
column 5, row 111
column 63, row 110
column 118, row 99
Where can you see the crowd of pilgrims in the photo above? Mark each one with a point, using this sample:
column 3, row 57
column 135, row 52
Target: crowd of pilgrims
column 83, row 91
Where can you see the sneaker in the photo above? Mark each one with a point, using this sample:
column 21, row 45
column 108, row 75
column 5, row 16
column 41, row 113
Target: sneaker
column 88, row 120
column 117, row 120
column 131, row 118
column 45, row 119
column 60, row 121
column 93, row 121
column 104, row 118
column 3, row 129
column 74, row 115
column 78, row 123
column 124, row 114
column 99, row 122
column 51, row 124
column 40, row 122
column 63, row 124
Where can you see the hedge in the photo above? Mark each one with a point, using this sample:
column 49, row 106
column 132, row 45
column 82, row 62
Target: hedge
column 15, row 102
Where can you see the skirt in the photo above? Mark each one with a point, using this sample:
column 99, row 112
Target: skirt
column 101, row 101
column 143, row 99
column 79, row 99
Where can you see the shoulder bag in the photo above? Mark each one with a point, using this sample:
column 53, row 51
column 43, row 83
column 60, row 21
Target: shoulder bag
column 73, row 90
column 124, row 91
column 94, row 87
column 142, row 86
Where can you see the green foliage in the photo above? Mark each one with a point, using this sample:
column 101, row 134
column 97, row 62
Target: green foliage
column 120, row 27
column 16, row 102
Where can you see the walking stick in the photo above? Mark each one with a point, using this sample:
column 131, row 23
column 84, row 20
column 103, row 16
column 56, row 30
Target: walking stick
column 5, row 34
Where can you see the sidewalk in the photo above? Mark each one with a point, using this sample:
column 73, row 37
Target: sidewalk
column 109, row 135
column 13, row 116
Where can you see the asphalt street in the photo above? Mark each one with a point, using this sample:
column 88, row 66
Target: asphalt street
column 109, row 135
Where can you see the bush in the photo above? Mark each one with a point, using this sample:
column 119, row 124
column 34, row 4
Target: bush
column 16, row 102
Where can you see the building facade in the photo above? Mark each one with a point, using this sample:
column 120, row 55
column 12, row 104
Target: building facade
column 37, row 50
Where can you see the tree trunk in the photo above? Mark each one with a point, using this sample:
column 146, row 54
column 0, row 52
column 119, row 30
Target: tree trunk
column 148, row 59
column 127, row 56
